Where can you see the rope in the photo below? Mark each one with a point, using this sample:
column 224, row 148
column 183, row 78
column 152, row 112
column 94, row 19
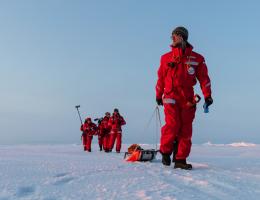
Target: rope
column 149, row 122
column 158, row 124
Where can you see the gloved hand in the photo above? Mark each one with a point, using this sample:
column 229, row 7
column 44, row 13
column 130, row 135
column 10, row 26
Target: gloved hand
column 208, row 101
column 171, row 64
column 159, row 102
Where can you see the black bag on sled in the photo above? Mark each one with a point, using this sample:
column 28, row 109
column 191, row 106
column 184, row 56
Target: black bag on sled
column 136, row 153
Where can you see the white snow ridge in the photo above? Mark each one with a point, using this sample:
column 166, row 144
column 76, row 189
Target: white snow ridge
column 242, row 144
column 65, row 172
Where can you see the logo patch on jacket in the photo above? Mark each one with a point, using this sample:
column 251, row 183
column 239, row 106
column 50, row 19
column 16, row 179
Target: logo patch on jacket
column 191, row 70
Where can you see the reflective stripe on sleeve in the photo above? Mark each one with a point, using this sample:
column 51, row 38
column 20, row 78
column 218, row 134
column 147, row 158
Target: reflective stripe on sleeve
column 208, row 84
column 192, row 57
column 167, row 100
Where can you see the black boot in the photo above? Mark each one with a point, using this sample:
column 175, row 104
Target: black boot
column 166, row 159
column 100, row 147
column 175, row 150
column 182, row 164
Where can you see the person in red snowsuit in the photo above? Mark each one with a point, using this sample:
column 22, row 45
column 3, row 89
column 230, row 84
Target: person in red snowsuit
column 99, row 133
column 89, row 129
column 178, row 72
column 115, row 122
column 104, row 131
column 84, row 137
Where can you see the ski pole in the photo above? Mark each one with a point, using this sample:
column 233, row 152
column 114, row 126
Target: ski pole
column 77, row 107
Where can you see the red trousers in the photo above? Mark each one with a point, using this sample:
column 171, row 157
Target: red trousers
column 103, row 139
column 106, row 142
column 115, row 135
column 100, row 140
column 86, row 140
column 178, row 123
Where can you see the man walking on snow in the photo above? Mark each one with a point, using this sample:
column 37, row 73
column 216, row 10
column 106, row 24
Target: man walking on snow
column 89, row 129
column 104, row 131
column 178, row 72
column 116, row 121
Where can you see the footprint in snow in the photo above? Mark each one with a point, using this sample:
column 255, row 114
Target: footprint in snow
column 61, row 175
column 63, row 180
column 60, row 179
column 25, row 191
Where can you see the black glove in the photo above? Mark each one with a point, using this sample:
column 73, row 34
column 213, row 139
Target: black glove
column 208, row 101
column 159, row 102
column 171, row 64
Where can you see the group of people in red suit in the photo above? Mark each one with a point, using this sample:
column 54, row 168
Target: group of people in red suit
column 108, row 131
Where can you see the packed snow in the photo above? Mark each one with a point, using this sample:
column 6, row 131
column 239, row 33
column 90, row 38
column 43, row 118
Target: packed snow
column 63, row 172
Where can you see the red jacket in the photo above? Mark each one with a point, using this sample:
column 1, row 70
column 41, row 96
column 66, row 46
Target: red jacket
column 115, row 122
column 177, row 82
column 104, row 128
column 89, row 128
column 104, row 123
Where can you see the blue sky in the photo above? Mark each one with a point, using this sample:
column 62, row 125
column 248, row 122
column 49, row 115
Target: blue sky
column 105, row 54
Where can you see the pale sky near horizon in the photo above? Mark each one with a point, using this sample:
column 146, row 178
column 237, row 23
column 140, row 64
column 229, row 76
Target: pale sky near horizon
column 56, row 54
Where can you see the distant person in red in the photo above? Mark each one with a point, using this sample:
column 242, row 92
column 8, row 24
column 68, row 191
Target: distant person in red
column 84, row 137
column 115, row 122
column 89, row 129
column 100, row 133
column 104, row 131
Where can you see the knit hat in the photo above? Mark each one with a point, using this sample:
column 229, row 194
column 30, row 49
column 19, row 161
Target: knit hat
column 180, row 30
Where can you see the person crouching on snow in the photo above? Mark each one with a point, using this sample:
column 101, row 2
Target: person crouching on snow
column 115, row 122
column 89, row 129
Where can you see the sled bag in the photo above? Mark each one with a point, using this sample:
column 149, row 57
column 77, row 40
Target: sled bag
column 141, row 155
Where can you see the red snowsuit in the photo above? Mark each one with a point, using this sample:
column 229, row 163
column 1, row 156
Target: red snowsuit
column 89, row 129
column 84, row 138
column 177, row 75
column 115, row 122
column 104, row 130
column 100, row 136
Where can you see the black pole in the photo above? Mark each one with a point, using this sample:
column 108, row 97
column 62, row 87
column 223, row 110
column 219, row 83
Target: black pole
column 77, row 107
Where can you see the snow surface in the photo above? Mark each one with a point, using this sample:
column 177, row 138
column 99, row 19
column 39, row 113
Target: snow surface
column 62, row 172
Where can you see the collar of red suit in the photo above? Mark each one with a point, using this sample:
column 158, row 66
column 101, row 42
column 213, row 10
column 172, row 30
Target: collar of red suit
column 177, row 52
